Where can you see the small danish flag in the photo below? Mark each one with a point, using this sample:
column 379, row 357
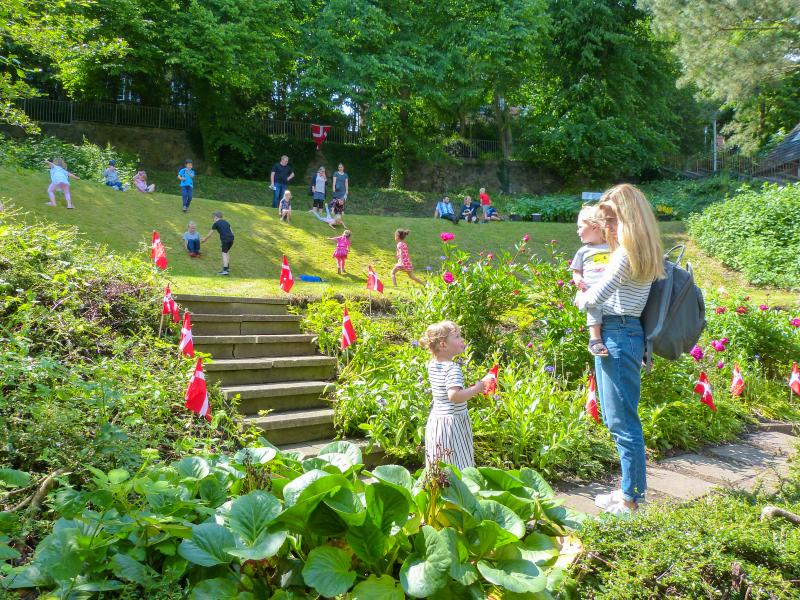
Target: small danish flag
column 794, row 379
column 703, row 387
column 286, row 281
column 591, row 399
column 186, row 344
column 157, row 252
column 348, row 333
column 373, row 283
column 490, row 381
column 197, row 394
column 737, row 381
column 169, row 306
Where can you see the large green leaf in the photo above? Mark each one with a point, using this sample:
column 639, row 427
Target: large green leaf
column 59, row 553
column 348, row 506
column 426, row 570
column 206, row 546
column 514, row 575
column 368, row 541
column 328, row 571
column 255, row 456
column 250, row 515
column 213, row 491
column 130, row 569
column 533, row 480
column 30, row 576
column 6, row 551
column 564, row 516
column 311, row 484
column 461, row 569
column 459, row 494
column 14, row 478
column 394, row 475
column 194, row 467
column 539, row 548
column 498, row 479
column 503, row 516
column 387, row 506
column 266, row 546
column 219, row 589
column 384, row 587
column 349, row 449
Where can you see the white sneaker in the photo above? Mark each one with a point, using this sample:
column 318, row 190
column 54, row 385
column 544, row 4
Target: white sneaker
column 617, row 508
column 605, row 500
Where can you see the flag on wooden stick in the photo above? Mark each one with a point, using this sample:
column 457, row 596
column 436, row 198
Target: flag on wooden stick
column 186, row 344
column 197, row 394
column 373, row 283
column 348, row 333
column 703, row 387
column 169, row 306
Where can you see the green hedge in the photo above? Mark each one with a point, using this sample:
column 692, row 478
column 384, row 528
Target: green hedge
column 756, row 232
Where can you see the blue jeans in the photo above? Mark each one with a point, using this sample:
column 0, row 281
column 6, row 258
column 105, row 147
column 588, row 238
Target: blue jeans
column 619, row 387
column 193, row 246
column 117, row 185
column 280, row 190
column 186, row 193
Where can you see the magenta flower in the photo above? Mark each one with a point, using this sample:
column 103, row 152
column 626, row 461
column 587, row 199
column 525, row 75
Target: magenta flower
column 720, row 364
column 741, row 310
column 697, row 353
column 763, row 307
column 530, row 345
column 560, row 306
column 569, row 262
column 446, row 236
column 489, row 256
column 560, row 283
column 718, row 345
column 448, row 277
column 725, row 341
column 720, row 310
column 525, row 238
column 480, row 253
column 553, row 242
column 795, row 322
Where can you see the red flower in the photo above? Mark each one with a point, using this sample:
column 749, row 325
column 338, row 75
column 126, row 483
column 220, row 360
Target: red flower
column 446, row 236
column 741, row 309
column 720, row 310
column 489, row 256
column 448, row 277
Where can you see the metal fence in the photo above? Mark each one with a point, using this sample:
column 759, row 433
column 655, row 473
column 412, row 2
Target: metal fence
column 736, row 164
column 136, row 115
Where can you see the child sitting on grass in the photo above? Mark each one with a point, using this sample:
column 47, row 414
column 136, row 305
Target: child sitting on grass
column 448, row 433
column 285, row 206
column 59, row 180
column 191, row 240
column 222, row 227
column 342, row 250
column 588, row 266
column 403, row 260
column 111, row 176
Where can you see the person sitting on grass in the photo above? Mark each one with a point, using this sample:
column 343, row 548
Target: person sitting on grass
column 285, row 206
column 59, row 180
column 191, row 240
column 222, row 227
column 469, row 210
column 140, row 181
column 444, row 210
column 112, row 176
column 491, row 214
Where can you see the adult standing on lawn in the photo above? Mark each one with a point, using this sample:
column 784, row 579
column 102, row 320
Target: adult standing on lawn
column 279, row 178
column 637, row 260
column 341, row 184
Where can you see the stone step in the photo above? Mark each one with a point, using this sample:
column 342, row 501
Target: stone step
column 231, row 305
column 372, row 458
column 256, row 346
column 253, row 371
column 203, row 324
column 279, row 396
column 286, row 427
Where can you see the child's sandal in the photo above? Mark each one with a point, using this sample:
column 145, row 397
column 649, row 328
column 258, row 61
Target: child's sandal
column 598, row 348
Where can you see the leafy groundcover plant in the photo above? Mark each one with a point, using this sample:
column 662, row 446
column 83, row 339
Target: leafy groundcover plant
column 267, row 524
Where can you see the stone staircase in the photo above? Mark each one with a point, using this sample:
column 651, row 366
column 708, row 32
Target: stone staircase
column 261, row 355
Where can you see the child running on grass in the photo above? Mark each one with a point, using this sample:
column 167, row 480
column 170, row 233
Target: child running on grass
column 448, row 433
column 403, row 260
column 588, row 267
column 222, row 227
column 186, row 176
column 59, row 180
column 342, row 250
column 191, row 240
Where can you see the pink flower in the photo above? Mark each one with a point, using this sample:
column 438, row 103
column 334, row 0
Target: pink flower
column 560, row 283
column 446, row 236
column 553, row 242
column 560, row 306
column 525, row 238
column 718, row 345
column 489, row 256
column 697, row 353
column 795, row 322
column 741, row 309
column 480, row 253
column 725, row 341
column 448, row 277
column 720, row 364
column 569, row 262
column 763, row 307
column 530, row 345
column 720, row 310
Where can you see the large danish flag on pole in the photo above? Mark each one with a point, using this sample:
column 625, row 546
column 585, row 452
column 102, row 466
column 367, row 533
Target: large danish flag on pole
column 320, row 133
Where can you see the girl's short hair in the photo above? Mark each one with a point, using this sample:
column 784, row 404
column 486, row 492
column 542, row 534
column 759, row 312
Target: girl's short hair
column 437, row 333
column 402, row 233
column 592, row 214
column 192, row 223
column 347, row 233
column 60, row 163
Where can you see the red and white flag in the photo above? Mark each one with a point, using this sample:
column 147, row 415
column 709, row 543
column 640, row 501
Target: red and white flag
column 157, row 252
column 794, row 379
column 737, row 381
column 703, row 387
column 348, row 333
column 490, row 381
column 373, row 283
column 286, row 281
column 186, row 344
column 196, row 394
column 169, row 306
column 320, row 133
column 591, row 399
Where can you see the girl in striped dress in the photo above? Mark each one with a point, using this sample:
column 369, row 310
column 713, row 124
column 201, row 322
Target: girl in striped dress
column 448, row 433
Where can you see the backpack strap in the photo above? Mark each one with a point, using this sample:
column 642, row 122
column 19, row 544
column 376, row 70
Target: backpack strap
column 680, row 247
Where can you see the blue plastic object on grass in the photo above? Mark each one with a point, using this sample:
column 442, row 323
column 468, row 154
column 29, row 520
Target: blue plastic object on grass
column 311, row 278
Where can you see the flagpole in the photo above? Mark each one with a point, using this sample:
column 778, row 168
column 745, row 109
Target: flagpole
column 160, row 324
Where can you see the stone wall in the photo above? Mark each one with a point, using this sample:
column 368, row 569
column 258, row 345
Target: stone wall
column 448, row 177
column 158, row 149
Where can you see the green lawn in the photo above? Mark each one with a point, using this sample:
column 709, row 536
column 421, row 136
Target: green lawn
column 123, row 221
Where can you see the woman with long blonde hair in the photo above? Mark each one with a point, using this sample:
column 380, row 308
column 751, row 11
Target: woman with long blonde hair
column 637, row 260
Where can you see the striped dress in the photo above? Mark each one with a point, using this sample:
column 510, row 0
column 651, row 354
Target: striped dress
column 448, row 434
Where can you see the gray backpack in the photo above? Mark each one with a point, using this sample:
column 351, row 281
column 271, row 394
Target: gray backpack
column 675, row 313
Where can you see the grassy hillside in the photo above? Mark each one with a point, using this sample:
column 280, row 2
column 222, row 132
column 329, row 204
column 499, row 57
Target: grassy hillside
column 123, row 221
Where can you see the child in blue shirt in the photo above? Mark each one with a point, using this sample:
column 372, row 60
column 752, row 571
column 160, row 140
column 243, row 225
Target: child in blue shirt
column 111, row 176
column 186, row 176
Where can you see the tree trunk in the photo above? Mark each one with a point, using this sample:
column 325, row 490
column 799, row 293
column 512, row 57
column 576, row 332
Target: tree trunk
column 503, row 126
column 206, row 101
column 397, row 169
